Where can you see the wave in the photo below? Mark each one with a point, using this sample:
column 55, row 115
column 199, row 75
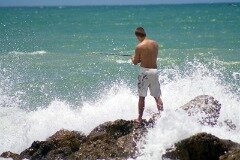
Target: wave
column 176, row 125
column 42, row 52
column 228, row 63
column 22, row 127
column 168, row 60
column 120, row 102
column 124, row 61
column 236, row 75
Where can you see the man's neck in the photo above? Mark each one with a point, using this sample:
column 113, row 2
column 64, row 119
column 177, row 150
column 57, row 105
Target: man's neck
column 143, row 39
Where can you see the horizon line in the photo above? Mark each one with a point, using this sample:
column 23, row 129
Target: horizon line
column 96, row 5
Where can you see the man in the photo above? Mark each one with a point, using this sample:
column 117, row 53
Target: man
column 146, row 53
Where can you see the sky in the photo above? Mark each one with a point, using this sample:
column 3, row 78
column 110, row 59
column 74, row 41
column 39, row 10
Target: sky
column 101, row 2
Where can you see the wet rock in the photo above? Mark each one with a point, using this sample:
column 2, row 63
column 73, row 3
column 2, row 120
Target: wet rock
column 118, row 139
column 207, row 106
column 201, row 146
column 62, row 144
column 231, row 155
column 9, row 154
column 112, row 140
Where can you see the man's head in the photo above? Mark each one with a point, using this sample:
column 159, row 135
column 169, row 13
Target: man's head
column 140, row 33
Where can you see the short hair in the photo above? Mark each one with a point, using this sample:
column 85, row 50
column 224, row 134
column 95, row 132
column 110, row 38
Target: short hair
column 140, row 32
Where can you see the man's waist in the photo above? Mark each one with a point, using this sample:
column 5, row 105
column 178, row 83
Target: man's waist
column 148, row 70
column 148, row 66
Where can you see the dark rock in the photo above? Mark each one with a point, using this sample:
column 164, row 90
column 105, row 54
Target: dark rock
column 112, row 140
column 231, row 155
column 201, row 146
column 62, row 144
column 117, row 139
column 115, row 129
column 9, row 154
column 205, row 105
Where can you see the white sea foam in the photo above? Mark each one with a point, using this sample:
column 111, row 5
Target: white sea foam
column 124, row 61
column 228, row 63
column 42, row 52
column 236, row 75
column 22, row 127
column 175, row 125
column 120, row 61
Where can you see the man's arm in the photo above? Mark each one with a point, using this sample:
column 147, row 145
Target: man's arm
column 136, row 57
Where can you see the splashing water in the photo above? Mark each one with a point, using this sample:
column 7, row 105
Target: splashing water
column 174, row 125
column 22, row 127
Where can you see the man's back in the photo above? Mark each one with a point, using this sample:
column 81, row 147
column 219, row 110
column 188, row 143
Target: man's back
column 146, row 53
column 148, row 50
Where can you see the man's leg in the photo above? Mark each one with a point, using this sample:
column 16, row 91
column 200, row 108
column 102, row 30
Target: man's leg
column 141, row 105
column 159, row 103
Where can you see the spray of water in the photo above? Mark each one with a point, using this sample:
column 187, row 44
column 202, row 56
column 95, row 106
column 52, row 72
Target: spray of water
column 22, row 127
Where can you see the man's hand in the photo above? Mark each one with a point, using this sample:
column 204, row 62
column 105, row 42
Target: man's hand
column 136, row 57
column 134, row 60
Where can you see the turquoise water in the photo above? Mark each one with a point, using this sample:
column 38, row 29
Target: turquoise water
column 79, row 57
column 79, row 46
column 103, row 29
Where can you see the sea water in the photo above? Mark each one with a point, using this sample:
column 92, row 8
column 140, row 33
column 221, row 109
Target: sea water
column 69, row 67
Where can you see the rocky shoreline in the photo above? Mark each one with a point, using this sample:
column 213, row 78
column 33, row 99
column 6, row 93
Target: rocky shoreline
column 118, row 140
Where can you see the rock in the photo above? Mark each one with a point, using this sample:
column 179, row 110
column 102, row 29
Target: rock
column 112, row 140
column 231, row 155
column 201, row 146
column 9, row 154
column 207, row 106
column 62, row 144
column 117, row 139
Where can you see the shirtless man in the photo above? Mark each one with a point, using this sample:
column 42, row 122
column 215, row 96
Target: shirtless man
column 146, row 53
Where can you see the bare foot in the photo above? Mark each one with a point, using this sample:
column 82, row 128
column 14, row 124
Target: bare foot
column 159, row 104
column 138, row 120
column 160, row 108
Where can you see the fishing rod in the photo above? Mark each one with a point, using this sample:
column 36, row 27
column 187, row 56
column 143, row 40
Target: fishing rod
column 114, row 54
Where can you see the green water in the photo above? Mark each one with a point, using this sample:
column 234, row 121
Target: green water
column 74, row 53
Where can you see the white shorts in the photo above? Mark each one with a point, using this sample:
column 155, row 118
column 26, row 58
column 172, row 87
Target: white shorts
column 148, row 78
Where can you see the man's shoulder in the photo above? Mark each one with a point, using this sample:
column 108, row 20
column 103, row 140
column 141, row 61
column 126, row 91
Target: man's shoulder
column 138, row 49
column 153, row 42
column 140, row 45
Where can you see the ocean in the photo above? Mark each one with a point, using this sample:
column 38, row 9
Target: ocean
column 69, row 67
